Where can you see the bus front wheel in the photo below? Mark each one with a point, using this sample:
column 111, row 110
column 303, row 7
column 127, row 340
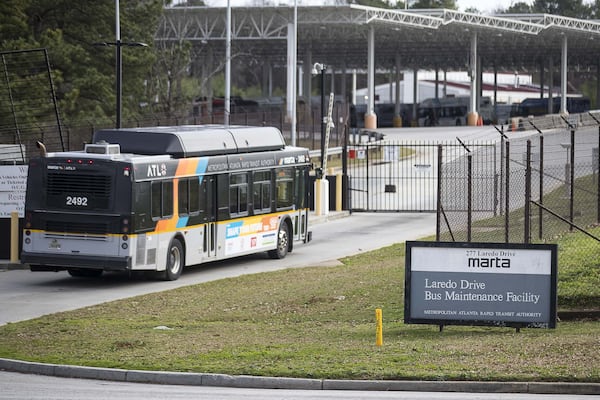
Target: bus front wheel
column 283, row 239
column 175, row 259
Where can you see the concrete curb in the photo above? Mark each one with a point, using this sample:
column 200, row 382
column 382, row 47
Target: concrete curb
column 258, row 382
column 8, row 266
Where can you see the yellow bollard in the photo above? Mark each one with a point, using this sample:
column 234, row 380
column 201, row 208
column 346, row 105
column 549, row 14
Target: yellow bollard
column 14, row 237
column 379, row 318
column 318, row 197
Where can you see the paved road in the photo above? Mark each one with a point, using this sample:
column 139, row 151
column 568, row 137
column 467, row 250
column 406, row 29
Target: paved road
column 33, row 387
column 25, row 295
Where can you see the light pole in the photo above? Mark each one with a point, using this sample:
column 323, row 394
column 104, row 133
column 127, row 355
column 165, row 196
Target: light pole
column 118, row 67
column 318, row 67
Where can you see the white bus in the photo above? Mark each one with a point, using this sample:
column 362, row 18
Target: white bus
column 161, row 198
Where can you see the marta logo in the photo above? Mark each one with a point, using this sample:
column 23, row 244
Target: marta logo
column 485, row 262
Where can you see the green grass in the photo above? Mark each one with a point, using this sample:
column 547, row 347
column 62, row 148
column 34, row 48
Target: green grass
column 585, row 215
column 579, row 255
column 316, row 322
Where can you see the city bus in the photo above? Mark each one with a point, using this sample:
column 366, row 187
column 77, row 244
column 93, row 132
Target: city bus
column 539, row 106
column 451, row 111
column 162, row 198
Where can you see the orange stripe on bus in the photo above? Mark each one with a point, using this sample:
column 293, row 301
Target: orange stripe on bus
column 186, row 167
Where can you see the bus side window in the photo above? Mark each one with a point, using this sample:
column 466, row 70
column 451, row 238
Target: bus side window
column 284, row 186
column 194, row 196
column 222, row 197
column 261, row 188
column 238, row 194
column 162, row 199
column 141, row 205
column 182, row 196
column 156, row 200
column 167, row 199
column 300, row 186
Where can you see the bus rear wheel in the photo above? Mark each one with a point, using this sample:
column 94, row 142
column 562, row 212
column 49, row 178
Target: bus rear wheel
column 283, row 242
column 175, row 261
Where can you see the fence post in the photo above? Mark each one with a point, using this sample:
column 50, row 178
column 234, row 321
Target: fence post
column 572, row 178
column 496, row 177
column 540, row 209
column 527, row 208
column 469, row 196
column 506, row 193
column 502, row 169
column 367, row 168
column 438, row 222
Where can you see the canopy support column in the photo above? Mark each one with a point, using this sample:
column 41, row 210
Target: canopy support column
column 472, row 116
column 563, row 77
column 370, row 116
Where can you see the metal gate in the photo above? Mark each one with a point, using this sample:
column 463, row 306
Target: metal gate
column 403, row 176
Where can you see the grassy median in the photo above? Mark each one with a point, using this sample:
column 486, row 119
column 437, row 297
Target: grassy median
column 316, row 322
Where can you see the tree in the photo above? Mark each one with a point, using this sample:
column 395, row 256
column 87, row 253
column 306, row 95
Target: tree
column 374, row 3
column 448, row 4
column 565, row 8
column 517, row 8
column 69, row 29
column 13, row 21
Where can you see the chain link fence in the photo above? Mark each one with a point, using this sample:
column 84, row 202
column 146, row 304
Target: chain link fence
column 77, row 132
column 527, row 187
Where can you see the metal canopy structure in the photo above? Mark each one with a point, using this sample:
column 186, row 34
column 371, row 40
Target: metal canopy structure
column 419, row 39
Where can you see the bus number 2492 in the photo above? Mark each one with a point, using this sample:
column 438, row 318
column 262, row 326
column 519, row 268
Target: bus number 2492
column 77, row 201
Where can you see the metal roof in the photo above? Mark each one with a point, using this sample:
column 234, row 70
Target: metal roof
column 422, row 39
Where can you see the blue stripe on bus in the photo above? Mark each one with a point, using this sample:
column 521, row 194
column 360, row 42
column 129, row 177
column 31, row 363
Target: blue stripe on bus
column 201, row 168
column 182, row 222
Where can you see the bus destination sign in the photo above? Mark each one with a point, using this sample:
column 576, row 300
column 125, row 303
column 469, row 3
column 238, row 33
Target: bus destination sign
column 495, row 284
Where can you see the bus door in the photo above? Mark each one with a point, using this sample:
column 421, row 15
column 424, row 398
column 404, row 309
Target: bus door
column 300, row 224
column 301, row 214
column 210, row 227
column 210, row 239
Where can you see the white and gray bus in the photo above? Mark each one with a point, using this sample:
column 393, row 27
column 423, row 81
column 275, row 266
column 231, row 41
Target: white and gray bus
column 162, row 198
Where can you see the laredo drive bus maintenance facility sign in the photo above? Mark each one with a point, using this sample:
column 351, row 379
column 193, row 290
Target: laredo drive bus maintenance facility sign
column 480, row 284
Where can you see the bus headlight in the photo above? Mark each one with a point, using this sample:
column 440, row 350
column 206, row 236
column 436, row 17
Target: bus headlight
column 124, row 246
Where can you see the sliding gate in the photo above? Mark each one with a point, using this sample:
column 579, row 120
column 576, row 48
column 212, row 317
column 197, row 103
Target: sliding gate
column 403, row 177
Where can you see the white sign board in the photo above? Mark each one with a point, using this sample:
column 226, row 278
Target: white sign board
column 481, row 284
column 13, row 184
